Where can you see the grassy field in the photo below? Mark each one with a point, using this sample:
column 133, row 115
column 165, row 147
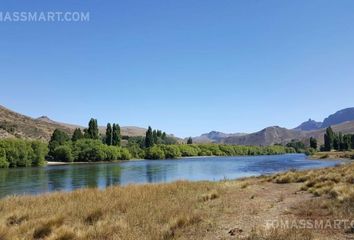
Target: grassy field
column 185, row 210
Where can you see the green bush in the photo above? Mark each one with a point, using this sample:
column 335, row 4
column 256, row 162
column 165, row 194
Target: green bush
column 154, row 152
column 171, row 151
column 188, row 150
column 125, row 154
column 22, row 153
column 3, row 162
column 63, row 154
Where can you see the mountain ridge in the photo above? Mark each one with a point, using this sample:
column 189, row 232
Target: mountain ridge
column 13, row 124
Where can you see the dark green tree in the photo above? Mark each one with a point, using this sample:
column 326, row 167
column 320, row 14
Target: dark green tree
column 154, row 136
column 163, row 136
column 92, row 131
column 149, row 138
column 58, row 138
column 190, row 140
column 109, row 136
column 347, row 142
column 159, row 133
column 116, row 137
column 352, row 140
column 313, row 143
column 77, row 135
column 340, row 142
column 328, row 139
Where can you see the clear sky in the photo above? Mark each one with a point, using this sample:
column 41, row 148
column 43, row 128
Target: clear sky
column 186, row 67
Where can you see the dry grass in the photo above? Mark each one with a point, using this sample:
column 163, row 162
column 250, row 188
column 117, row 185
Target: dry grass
column 336, row 181
column 334, row 155
column 132, row 212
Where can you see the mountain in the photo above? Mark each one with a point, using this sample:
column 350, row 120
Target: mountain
column 309, row 125
column 341, row 116
column 265, row 137
column 214, row 136
column 13, row 124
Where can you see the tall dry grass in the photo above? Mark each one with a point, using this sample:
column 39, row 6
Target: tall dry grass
column 132, row 212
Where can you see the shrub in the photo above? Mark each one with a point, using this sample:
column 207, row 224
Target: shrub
column 154, row 152
column 22, row 153
column 171, row 151
column 63, row 154
column 188, row 150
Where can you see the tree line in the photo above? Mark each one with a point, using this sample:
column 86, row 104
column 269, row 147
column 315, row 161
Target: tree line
column 337, row 141
column 89, row 145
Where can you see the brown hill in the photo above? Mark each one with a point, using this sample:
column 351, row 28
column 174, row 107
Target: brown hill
column 265, row 137
column 274, row 135
column 13, row 124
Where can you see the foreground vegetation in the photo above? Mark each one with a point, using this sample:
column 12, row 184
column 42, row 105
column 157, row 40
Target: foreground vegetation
column 184, row 210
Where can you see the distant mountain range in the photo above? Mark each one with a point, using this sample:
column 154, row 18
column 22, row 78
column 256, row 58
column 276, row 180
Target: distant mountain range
column 341, row 121
column 13, row 124
column 341, row 116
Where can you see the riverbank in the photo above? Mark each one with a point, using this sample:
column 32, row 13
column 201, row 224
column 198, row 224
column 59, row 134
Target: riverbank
column 187, row 210
column 346, row 155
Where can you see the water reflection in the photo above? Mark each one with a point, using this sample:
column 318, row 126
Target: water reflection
column 68, row 178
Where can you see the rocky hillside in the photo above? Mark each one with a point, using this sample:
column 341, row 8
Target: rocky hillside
column 13, row 124
column 341, row 116
column 309, row 125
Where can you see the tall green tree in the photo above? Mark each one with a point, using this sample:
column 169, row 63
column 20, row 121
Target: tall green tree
column 347, row 142
column 109, row 135
column 154, row 136
column 92, row 131
column 116, row 137
column 328, row 139
column 163, row 136
column 57, row 139
column 190, row 140
column 313, row 143
column 352, row 140
column 149, row 138
column 77, row 135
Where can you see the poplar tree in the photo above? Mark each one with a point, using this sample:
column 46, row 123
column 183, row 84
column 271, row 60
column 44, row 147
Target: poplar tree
column 329, row 139
column 190, row 140
column 313, row 143
column 154, row 136
column 92, row 131
column 109, row 134
column 149, row 139
column 116, row 138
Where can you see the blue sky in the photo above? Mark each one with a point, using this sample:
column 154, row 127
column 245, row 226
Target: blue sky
column 186, row 66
